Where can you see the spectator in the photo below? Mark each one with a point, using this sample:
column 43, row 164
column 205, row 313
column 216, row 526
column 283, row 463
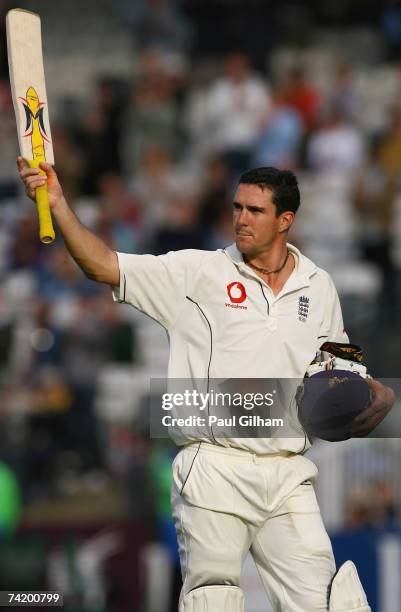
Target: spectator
column 236, row 105
column 215, row 197
column 152, row 116
column 69, row 160
column 302, row 96
column 221, row 231
column 343, row 94
column 180, row 229
column 390, row 153
column 374, row 198
column 158, row 181
column 24, row 251
column 372, row 505
column 196, row 109
column 119, row 216
column 156, row 23
column 98, row 135
column 337, row 147
column 280, row 139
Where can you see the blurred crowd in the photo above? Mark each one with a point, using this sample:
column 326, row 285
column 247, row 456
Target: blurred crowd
column 148, row 163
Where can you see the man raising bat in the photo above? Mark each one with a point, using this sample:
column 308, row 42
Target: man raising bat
column 235, row 495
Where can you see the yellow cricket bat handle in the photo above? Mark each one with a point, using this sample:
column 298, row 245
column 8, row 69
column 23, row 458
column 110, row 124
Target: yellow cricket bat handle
column 46, row 230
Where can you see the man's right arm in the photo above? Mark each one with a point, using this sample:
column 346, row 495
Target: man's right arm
column 93, row 256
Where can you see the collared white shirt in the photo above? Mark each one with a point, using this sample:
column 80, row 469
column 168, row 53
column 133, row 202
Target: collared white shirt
column 223, row 321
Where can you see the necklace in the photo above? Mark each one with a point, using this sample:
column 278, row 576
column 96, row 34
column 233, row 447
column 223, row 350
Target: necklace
column 264, row 270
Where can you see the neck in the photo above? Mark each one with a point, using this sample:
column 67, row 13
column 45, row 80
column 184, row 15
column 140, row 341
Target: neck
column 277, row 276
column 270, row 259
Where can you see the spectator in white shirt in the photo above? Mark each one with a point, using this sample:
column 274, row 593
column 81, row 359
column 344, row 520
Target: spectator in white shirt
column 337, row 147
column 236, row 106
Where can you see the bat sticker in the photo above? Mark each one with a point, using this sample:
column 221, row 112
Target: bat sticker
column 35, row 123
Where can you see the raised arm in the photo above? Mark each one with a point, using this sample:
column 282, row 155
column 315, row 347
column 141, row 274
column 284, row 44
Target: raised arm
column 93, row 256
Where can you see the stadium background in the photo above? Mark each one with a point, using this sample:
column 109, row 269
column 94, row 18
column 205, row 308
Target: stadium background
column 156, row 106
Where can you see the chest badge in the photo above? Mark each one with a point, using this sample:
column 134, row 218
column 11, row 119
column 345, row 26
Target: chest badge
column 237, row 294
column 303, row 308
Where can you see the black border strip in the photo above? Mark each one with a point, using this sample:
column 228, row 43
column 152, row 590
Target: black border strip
column 267, row 301
column 210, row 359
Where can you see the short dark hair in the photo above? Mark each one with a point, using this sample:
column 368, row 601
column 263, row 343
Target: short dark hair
column 282, row 183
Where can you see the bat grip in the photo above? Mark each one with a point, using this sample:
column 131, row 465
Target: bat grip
column 46, row 230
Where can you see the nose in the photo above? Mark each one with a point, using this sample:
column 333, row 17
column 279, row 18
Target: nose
column 242, row 218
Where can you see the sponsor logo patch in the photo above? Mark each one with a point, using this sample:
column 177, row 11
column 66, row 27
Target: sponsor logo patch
column 237, row 294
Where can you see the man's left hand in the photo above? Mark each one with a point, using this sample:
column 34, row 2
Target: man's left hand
column 368, row 419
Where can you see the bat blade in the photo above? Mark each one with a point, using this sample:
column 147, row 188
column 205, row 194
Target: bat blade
column 28, row 87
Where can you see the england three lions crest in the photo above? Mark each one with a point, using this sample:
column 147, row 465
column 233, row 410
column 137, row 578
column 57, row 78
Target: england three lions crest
column 303, row 308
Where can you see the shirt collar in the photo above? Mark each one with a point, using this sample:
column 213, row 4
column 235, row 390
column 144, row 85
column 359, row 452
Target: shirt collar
column 304, row 267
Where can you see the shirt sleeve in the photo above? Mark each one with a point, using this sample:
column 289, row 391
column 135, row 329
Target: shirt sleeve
column 332, row 328
column 155, row 285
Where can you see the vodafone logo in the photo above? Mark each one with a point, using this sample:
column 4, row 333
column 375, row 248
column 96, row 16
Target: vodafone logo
column 236, row 292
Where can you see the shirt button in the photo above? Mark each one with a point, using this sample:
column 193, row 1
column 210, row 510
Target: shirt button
column 274, row 310
column 272, row 324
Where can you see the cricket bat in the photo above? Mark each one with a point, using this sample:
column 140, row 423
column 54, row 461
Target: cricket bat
column 27, row 78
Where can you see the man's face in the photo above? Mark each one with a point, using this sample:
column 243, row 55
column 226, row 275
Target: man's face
column 255, row 223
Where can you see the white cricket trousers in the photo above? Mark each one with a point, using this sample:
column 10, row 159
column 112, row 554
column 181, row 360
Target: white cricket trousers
column 227, row 502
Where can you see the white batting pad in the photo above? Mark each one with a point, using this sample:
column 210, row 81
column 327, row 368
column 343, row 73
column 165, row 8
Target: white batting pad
column 347, row 594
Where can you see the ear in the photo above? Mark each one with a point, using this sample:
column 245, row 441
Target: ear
column 286, row 220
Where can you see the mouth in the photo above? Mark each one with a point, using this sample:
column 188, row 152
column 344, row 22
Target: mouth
column 242, row 234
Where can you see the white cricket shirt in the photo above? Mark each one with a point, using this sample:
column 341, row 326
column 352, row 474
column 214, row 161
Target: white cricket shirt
column 223, row 321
